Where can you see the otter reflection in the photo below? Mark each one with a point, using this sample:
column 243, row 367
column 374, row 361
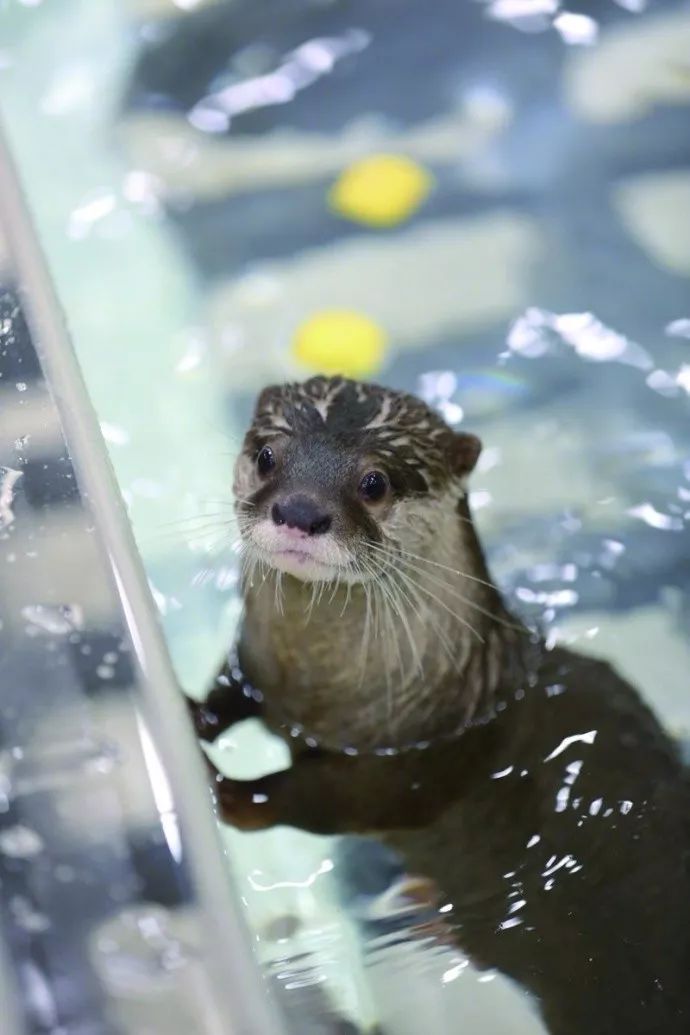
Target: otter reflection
column 531, row 787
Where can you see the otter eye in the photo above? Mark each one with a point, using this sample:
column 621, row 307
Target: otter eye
column 265, row 461
column 373, row 486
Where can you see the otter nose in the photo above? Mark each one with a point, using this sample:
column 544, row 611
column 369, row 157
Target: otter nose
column 302, row 513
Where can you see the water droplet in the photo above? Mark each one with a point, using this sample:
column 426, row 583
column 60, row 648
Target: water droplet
column 193, row 355
column 137, row 950
column 8, row 479
column 663, row 383
column 562, row 798
column 576, row 29
column 513, row 921
column 20, row 842
column 113, row 434
column 679, row 328
column 454, row 972
column 28, row 918
column 451, row 412
column 683, row 377
column 655, row 519
column 537, row 331
column 501, row 773
column 54, row 620
column 91, row 211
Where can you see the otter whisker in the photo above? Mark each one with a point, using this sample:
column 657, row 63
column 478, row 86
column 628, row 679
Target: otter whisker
column 446, row 567
column 278, row 591
column 382, row 614
column 215, row 546
column 380, row 624
column 395, row 602
column 235, row 501
column 193, row 519
column 350, row 568
column 434, row 596
column 210, row 541
column 191, row 534
column 322, row 588
column 412, row 699
column 422, row 610
column 396, row 599
column 365, row 633
column 245, row 558
column 437, row 581
column 389, row 603
column 312, row 600
column 203, row 575
column 251, row 561
column 392, row 638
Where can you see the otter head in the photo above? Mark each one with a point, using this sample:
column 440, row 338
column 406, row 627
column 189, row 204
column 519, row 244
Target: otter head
column 335, row 475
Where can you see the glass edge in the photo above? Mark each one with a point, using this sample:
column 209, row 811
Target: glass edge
column 244, row 1004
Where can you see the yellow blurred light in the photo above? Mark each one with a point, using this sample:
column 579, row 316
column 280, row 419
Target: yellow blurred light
column 340, row 341
column 382, row 190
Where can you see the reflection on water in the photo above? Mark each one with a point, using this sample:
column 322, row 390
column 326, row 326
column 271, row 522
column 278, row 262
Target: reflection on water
column 536, row 293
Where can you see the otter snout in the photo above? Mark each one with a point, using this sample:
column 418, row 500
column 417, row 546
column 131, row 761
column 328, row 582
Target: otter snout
column 303, row 514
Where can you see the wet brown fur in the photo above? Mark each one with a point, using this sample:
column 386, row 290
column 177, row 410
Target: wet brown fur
column 532, row 786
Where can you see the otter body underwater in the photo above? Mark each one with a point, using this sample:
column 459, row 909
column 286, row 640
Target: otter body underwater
column 531, row 786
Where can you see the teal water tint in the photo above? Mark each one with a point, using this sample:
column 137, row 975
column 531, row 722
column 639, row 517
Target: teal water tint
column 178, row 161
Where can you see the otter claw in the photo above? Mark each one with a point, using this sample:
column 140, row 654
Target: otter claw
column 204, row 721
column 237, row 801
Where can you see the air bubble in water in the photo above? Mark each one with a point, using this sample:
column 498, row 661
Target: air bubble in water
column 26, row 917
column 139, row 948
column 20, row 842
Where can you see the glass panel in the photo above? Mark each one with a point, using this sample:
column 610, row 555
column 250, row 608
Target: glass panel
column 111, row 873
column 487, row 204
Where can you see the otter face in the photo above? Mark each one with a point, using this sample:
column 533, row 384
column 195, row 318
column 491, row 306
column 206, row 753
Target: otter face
column 332, row 472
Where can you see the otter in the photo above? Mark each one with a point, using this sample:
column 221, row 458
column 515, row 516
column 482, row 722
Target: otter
column 530, row 787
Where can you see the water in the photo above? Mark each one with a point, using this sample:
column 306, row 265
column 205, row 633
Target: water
column 534, row 288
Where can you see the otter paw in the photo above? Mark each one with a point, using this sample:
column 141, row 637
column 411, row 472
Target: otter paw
column 204, row 721
column 239, row 803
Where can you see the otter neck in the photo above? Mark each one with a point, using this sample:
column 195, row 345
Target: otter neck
column 416, row 654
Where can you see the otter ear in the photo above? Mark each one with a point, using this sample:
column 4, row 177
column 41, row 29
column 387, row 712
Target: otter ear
column 465, row 452
column 267, row 399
